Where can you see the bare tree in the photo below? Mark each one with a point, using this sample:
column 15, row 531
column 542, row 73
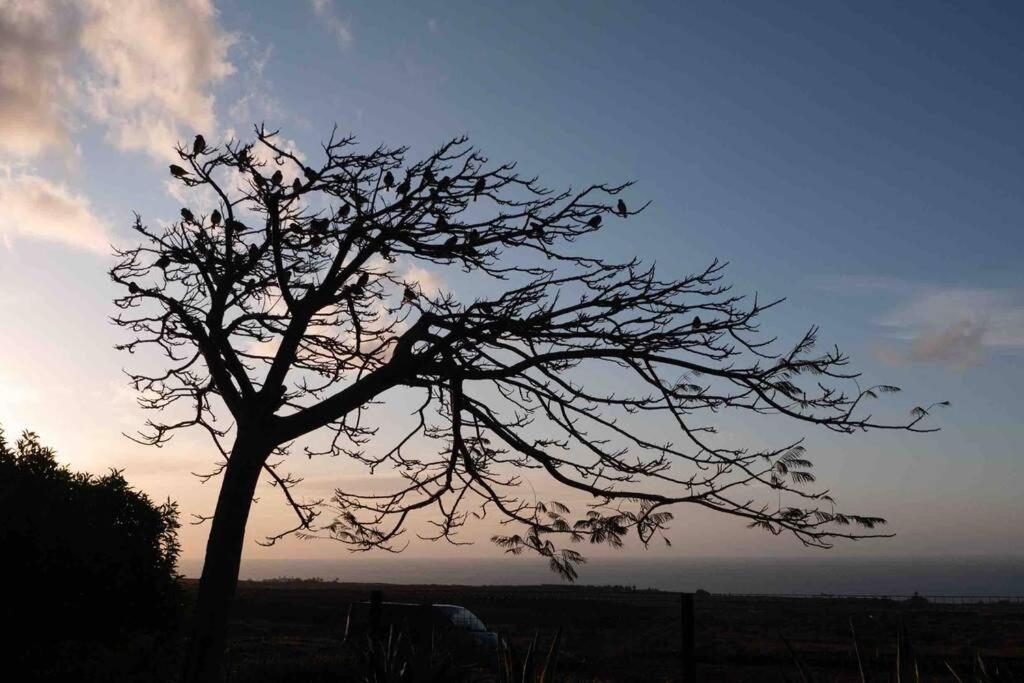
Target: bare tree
column 285, row 307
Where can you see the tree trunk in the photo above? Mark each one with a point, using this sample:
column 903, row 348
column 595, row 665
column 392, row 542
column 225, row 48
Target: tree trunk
column 205, row 655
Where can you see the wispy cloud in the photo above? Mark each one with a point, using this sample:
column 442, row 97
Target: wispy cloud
column 152, row 66
column 36, row 43
column 142, row 69
column 36, row 208
column 957, row 326
column 341, row 29
column 953, row 326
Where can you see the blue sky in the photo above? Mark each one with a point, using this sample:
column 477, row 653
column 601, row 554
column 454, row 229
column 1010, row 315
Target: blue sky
column 862, row 159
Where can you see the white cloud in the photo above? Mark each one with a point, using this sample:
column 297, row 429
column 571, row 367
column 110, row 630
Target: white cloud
column 141, row 68
column 430, row 282
column 36, row 41
column 36, row 208
column 955, row 326
column 340, row 29
column 152, row 64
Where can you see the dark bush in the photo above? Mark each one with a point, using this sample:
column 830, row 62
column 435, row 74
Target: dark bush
column 86, row 559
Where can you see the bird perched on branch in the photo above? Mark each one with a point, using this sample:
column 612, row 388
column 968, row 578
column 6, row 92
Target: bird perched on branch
column 621, row 208
column 409, row 295
column 199, row 145
column 163, row 262
column 428, row 177
column 296, row 186
column 178, row 171
column 389, row 179
column 404, row 188
column 215, row 217
column 187, row 215
column 696, row 324
column 594, row 222
column 480, row 186
column 277, row 177
column 343, row 210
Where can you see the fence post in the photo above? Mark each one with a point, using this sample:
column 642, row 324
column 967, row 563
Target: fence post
column 689, row 664
column 375, row 602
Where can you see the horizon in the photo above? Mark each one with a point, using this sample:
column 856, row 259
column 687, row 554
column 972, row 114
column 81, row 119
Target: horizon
column 861, row 162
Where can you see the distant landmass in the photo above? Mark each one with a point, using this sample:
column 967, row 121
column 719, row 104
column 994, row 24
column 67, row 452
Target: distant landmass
column 830, row 575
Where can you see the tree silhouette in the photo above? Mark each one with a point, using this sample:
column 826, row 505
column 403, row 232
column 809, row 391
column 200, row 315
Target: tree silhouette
column 286, row 306
column 88, row 560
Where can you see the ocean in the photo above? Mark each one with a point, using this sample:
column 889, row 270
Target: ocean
column 989, row 576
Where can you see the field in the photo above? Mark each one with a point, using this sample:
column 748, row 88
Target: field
column 292, row 630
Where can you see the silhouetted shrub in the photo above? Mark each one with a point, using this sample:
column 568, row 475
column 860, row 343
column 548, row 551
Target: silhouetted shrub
column 86, row 559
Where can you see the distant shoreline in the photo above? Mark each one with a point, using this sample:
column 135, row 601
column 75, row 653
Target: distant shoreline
column 836, row 576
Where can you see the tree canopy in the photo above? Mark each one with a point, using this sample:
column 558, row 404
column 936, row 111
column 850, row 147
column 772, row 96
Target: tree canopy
column 291, row 300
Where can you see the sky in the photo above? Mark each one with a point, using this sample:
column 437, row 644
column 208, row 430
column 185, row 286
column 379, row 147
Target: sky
column 863, row 160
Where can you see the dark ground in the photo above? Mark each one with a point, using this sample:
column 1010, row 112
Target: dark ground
column 293, row 631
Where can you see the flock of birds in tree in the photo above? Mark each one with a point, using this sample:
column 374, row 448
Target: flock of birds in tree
column 320, row 225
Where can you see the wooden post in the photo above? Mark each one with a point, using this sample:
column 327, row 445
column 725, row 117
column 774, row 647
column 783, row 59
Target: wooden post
column 689, row 664
column 375, row 606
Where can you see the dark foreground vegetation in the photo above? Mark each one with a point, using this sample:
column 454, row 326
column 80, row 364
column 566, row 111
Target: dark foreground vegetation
column 93, row 595
column 88, row 570
column 292, row 631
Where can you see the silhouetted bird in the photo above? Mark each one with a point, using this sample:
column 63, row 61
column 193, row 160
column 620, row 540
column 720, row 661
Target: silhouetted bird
column 537, row 230
column 480, row 186
column 385, row 252
column 199, row 145
column 409, row 295
column 319, row 225
column 428, row 177
column 309, row 173
column 621, row 207
column 595, row 222
column 343, row 210
column 445, row 183
column 485, row 307
column 133, row 288
column 187, row 215
column 254, row 252
column 215, row 217
column 277, row 177
column 451, row 242
column 403, row 189
column 163, row 262
column 474, row 236
column 358, row 199
column 178, row 171
column 441, row 223
column 363, row 279
column 696, row 324
column 389, row 179
column 296, row 186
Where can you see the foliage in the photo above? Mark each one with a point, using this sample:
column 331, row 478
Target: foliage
column 905, row 665
column 86, row 558
column 530, row 668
